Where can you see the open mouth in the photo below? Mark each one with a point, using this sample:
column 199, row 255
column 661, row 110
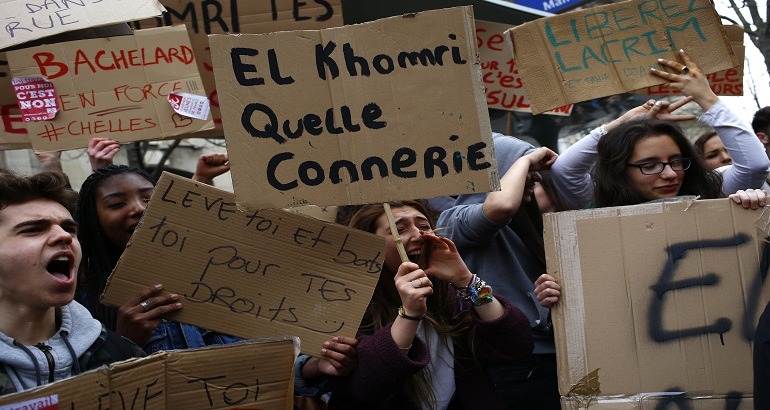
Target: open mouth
column 60, row 267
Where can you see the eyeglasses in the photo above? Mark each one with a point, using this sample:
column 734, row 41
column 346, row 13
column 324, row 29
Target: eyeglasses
column 654, row 168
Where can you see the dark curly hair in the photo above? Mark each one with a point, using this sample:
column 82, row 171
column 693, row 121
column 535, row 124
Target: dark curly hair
column 613, row 187
column 99, row 255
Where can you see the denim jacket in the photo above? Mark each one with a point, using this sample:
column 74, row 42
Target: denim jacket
column 172, row 336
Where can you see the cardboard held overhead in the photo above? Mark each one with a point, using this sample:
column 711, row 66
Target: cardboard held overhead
column 658, row 297
column 13, row 132
column 663, row 401
column 386, row 110
column 26, row 20
column 249, row 273
column 727, row 82
column 114, row 87
column 253, row 374
column 504, row 88
column 608, row 50
column 203, row 17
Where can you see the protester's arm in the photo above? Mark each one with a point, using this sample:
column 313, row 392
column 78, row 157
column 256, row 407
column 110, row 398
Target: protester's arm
column 50, row 161
column 571, row 171
column 210, row 166
column 500, row 206
column 506, row 339
column 101, row 151
column 750, row 163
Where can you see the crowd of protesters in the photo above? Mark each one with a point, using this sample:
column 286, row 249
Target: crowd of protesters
column 464, row 323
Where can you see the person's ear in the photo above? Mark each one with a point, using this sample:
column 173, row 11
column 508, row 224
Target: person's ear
column 764, row 138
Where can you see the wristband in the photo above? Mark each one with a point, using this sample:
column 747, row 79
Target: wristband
column 402, row 313
column 602, row 131
column 477, row 292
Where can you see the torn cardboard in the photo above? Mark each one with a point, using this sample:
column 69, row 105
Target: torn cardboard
column 387, row 110
column 114, row 87
column 26, row 20
column 726, row 82
column 660, row 297
column 609, row 50
column 504, row 88
column 664, row 401
column 237, row 272
column 252, row 374
column 203, row 17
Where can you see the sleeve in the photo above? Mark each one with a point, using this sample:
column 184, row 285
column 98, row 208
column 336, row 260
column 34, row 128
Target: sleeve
column 382, row 368
column 571, row 172
column 468, row 225
column 309, row 388
column 506, row 339
column 750, row 163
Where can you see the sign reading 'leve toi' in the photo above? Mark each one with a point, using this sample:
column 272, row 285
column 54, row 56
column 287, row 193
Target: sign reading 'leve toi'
column 609, row 49
column 238, row 272
column 340, row 116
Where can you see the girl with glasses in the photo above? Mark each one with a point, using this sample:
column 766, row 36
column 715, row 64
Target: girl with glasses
column 627, row 151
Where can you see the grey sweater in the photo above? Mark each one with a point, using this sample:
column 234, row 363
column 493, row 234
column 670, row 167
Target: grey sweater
column 28, row 366
column 495, row 252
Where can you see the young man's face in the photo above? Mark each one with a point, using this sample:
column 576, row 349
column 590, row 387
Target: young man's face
column 39, row 254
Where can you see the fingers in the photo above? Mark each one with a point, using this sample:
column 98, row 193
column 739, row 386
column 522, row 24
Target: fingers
column 143, row 295
column 679, row 103
column 750, row 198
column 547, row 290
column 156, row 307
column 687, row 61
column 214, row 159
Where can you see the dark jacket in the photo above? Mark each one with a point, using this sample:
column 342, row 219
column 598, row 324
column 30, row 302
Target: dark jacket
column 383, row 370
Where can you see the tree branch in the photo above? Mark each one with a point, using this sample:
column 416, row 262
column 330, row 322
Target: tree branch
column 745, row 23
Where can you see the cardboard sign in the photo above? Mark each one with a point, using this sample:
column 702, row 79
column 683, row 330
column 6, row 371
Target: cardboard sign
column 504, row 88
column 609, row 49
column 13, row 132
column 203, row 17
column 658, row 297
column 664, row 401
column 253, row 374
column 238, row 272
column 113, row 87
column 26, row 20
column 727, row 82
column 339, row 116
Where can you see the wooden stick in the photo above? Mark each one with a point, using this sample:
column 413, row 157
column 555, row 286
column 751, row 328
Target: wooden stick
column 394, row 232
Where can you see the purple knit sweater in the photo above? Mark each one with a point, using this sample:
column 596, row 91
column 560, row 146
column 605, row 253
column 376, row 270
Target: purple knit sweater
column 378, row 381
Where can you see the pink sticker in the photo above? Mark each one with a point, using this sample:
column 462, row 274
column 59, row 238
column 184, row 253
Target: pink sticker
column 43, row 403
column 36, row 97
column 190, row 105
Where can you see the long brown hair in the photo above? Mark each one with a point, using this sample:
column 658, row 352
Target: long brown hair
column 385, row 301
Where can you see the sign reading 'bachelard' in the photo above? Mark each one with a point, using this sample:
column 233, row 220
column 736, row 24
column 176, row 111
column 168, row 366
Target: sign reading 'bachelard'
column 339, row 116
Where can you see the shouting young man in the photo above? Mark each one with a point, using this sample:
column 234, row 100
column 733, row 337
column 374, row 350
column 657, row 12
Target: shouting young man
column 44, row 335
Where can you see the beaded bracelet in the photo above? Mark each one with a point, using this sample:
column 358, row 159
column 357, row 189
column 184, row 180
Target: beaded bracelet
column 477, row 292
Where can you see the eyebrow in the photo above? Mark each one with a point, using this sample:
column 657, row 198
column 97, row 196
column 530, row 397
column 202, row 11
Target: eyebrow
column 123, row 194
column 655, row 159
column 44, row 221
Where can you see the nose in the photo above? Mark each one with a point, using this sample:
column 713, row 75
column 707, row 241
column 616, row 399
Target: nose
column 668, row 172
column 59, row 235
column 411, row 234
column 726, row 160
column 138, row 205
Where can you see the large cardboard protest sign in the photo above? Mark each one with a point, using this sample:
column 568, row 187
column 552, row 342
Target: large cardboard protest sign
column 203, row 17
column 504, row 88
column 26, row 20
column 339, row 116
column 255, row 374
column 240, row 272
column 114, row 87
column 609, row 49
column 658, row 297
column 726, row 82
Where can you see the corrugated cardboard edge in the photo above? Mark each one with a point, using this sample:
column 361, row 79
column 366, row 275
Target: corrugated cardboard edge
column 571, row 353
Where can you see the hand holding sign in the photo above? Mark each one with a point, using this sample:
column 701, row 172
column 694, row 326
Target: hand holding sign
column 690, row 80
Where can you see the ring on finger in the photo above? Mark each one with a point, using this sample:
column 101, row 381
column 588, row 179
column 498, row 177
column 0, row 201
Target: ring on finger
column 145, row 306
column 684, row 69
column 417, row 283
